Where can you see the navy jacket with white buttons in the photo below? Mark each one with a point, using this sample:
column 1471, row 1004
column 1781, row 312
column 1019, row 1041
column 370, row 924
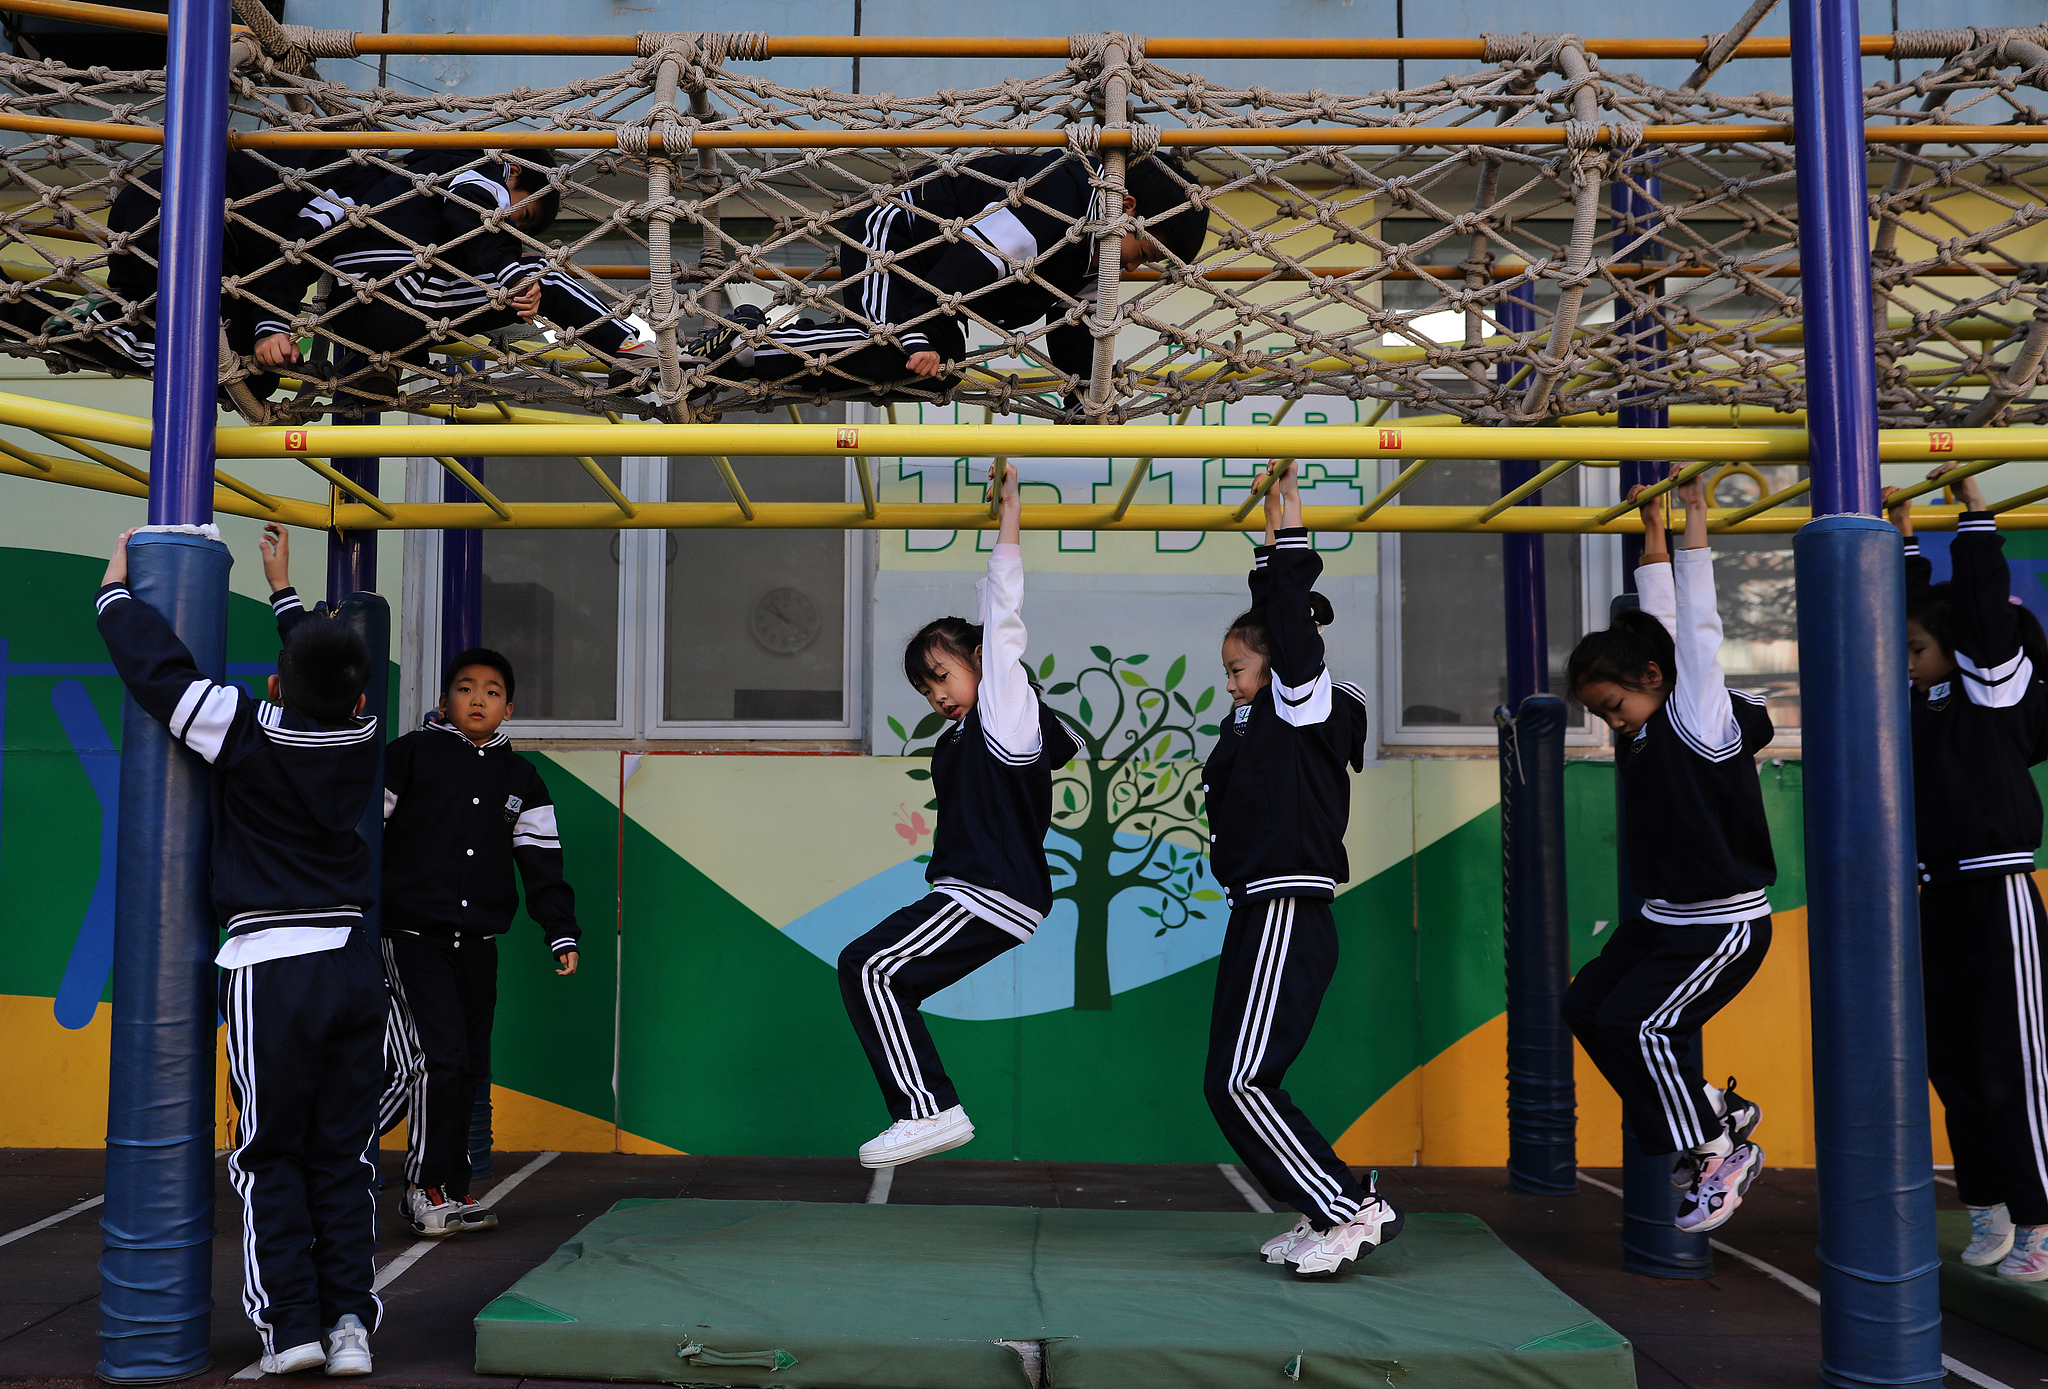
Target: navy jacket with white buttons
column 457, row 819
column 1279, row 792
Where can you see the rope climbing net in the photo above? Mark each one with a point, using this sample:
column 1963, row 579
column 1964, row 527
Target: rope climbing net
column 1539, row 235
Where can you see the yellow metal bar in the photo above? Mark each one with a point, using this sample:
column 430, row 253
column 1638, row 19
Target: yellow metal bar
column 1144, row 468
column 99, row 456
column 1049, row 516
column 34, row 460
column 1534, row 484
column 1762, row 504
column 611, row 488
column 468, row 479
column 995, row 491
column 732, row 485
column 368, row 499
column 1926, row 485
column 69, row 473
column 1677, row 479
column 2023, row 499
column 867, row 486
column 1260, row 488
column 1392, row 489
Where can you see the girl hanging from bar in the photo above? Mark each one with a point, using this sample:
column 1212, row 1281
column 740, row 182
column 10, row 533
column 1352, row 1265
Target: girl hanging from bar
column 1279, row 796
column 1699, row 857
column 992, row 775
column 1980, row 720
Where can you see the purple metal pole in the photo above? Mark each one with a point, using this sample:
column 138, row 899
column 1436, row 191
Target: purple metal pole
column 156, row 1305
column 1643, row 337
column 188, row 281
column 352, row 555
column 462, row 574
column 1880, row 1300
column 1528, row 628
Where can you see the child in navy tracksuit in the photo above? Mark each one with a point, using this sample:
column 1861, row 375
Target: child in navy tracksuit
column 461, row 811
column 1700, row 857
column 1980, row 720
column 1279, row 796
column 482, row 276
column 302, row 989
column 992, row 774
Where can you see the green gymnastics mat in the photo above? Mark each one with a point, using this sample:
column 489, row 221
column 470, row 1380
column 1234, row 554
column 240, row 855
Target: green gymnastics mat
column 2018, row 1310
column 816, row 1296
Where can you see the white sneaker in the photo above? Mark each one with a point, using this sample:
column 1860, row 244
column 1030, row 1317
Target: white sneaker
column 431, row 1212
column 1991, row 1235
column 1276, row 1249
column 1336, row 1250
column 2028, row 1261
column 348, row 1347
column 907, row 1140
column 291, row 1361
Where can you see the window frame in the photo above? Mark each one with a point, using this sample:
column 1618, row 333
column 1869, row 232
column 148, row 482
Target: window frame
column 641, row 669
column 1599, row 579
column 851, row 726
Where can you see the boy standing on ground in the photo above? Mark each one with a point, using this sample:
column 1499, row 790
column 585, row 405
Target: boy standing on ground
column 460, row 809
column 303, row 991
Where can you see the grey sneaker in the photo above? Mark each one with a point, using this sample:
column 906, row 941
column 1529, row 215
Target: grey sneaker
column 348, row 1347
column 1991, row 1236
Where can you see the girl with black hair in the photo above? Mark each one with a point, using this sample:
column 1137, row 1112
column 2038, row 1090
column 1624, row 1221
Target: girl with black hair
column 1980, row 720
column 1699, row 856
column 992, row 775
column 1279, row 796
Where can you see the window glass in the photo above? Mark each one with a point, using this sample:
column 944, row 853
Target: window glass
column 1453, row 635
column 1753, row 588
column 756, row 619
column 551, row 598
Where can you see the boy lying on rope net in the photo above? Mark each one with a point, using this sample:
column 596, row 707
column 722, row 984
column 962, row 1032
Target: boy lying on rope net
column 482, row 277
column 907, row 289
column 116, row 330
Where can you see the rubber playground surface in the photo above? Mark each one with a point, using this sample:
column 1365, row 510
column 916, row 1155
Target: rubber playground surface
column 1738, row 1330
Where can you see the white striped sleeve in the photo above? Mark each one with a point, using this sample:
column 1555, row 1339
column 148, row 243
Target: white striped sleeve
column 1007, row 703
column 1700, row 708
column 534, row 830
column 204, row 715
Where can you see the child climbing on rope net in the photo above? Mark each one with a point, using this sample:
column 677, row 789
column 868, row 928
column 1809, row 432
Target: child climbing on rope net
column 441, row 248
column 997, row 240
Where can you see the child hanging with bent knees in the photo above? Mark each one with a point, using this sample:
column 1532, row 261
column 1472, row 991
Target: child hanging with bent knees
column 992, row 774
column 1279, row 797
column 1699, row 855
column 1980, row 720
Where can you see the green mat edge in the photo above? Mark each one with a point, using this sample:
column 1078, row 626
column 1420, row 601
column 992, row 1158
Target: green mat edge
column 1587, row 1353
column 2018, row 1310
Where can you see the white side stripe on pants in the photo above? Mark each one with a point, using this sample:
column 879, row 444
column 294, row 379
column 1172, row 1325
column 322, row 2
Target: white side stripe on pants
column 242, row 1067
column 877, row 973
column 1673, row 1089
column 1253, row 1036
column 2026, row 969
column 405, row 1058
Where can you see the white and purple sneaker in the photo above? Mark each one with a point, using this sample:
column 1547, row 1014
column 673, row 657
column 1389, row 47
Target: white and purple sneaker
column 1276, row 1249
column 1719, row 1190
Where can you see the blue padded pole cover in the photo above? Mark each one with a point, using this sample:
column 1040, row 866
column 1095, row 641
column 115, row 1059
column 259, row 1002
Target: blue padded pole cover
column 1880, row 1301
column 155, row 1271
column 1542, row 1101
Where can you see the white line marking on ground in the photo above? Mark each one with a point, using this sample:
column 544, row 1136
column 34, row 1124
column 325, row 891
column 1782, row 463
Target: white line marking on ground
column 388, row 1274
column 1244, row 1188
column 1812, row 1294
column 878, row 1189
column 1945, row 1181
column 47, row 1221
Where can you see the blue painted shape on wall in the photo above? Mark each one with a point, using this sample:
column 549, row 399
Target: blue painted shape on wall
column 85, row 976
column 1038, row 976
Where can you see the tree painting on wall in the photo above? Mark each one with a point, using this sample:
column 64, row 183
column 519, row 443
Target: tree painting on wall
column 1127, row 813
